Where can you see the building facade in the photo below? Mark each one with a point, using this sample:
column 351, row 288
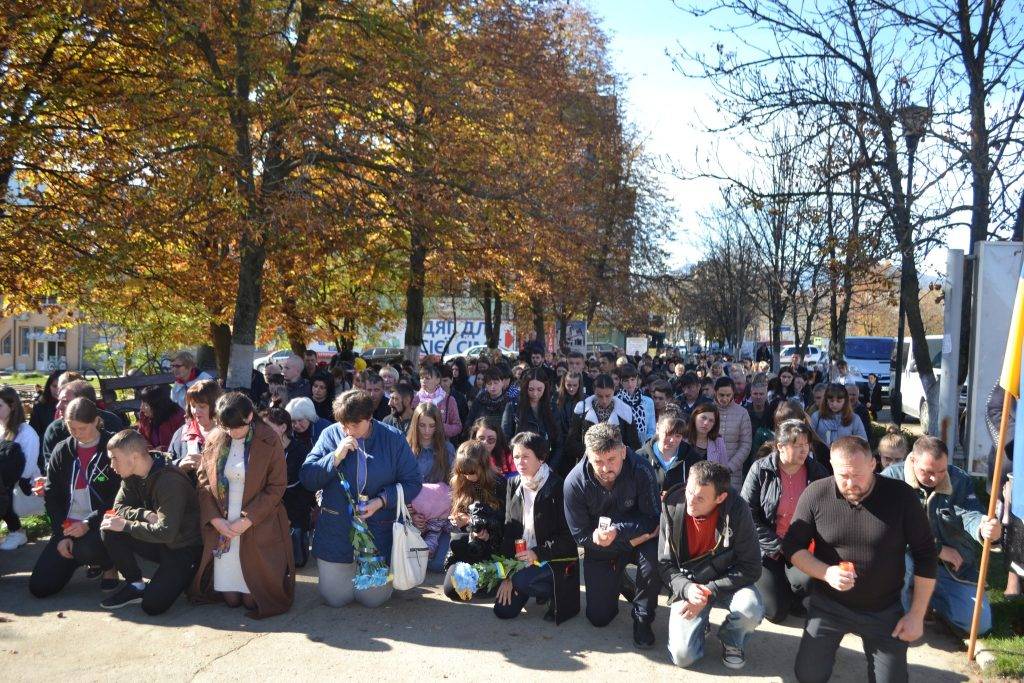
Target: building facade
column 26, row 345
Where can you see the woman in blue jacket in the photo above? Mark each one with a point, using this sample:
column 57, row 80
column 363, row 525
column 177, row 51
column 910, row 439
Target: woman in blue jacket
column 374, row 459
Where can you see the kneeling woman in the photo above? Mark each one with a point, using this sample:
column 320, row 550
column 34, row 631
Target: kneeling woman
column 535, row 513
column 374, row 460
column 80, row 488
column 772, row 489
column 247, row 549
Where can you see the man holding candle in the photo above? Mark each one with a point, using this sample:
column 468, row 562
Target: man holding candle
column 616, row 483
column 709, row 555
column 855, row 516
column 155, row 516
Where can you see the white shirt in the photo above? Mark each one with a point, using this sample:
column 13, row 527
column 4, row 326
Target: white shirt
column 29, row 442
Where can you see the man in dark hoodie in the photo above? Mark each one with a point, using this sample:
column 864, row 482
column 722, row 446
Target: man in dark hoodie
column 156, row 516
column 708, row 555
column 611, row 506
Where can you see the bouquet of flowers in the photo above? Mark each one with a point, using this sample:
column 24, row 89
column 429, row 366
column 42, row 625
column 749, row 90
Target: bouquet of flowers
column 371, row 569
column 467, row 579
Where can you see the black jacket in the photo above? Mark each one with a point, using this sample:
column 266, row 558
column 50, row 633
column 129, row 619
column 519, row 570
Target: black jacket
column 735, row 561
column 464, row 547
column 57, row 432
column 676, row 473
column 61, row 470
column 170, row 493
column 573, row 449
column 484, row 406
column 511, row 426
column 762, row 490
column 632, row 504
column 555, row 544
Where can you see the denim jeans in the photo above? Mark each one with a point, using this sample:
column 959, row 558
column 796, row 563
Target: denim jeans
column 953, row 599
column 686, row 636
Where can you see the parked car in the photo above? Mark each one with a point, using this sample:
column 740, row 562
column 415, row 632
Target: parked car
column 915, row 403
column 597, row 348
column 382, row 354
column 812, row 356
column 276, row 357
column 481, row 350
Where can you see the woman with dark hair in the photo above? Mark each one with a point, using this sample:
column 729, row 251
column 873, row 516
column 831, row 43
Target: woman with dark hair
column 247, row 556
column 772, row 489
column 19, row 462
column 188, row 442
column 45, row 407
column 488, row 432
column 460, row 377
column 80, row 488
column 159, row 416
column 532, row 413
column 836, row 418
column 374, row 461
column 297, row 500
column 570, row 392
column 535, row 515
column 701, row 441
column 735, row 428
column 322, row 390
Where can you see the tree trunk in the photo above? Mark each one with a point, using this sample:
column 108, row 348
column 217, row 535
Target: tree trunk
column 414, row 295
column 248, row 299
column 220, row 335
column 537, row 306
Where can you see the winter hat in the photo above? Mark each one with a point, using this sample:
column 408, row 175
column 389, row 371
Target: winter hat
column 302, row 408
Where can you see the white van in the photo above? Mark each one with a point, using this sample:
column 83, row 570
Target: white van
column 871, row 355
column 915, row 403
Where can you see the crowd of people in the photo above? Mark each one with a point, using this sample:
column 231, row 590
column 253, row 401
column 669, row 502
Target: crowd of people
column 725, row 484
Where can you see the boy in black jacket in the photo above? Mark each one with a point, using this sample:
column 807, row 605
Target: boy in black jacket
column 708, row 555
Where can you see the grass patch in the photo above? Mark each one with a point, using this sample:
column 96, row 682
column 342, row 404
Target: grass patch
column 34, row 526
column 1006, row 640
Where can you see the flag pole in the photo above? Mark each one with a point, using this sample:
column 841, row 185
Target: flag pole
column 997, row 475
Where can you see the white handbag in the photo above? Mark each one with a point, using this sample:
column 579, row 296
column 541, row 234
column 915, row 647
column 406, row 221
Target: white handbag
column 409, row 553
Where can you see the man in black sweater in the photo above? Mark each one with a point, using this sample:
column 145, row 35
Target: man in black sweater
column 614, row 483
column 862, row 526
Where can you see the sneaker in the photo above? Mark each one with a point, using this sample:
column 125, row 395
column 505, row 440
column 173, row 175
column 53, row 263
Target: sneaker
column 108, row 585
column 643, row 635
column 128, row 595
column 732, row 657
column 93, row 572
column 14, row 540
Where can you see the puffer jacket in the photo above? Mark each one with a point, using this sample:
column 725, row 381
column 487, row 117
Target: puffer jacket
column 954, row 514
column 734, row 427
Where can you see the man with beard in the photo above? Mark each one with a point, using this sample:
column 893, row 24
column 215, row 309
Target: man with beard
column 862, row 525
column 401, row 407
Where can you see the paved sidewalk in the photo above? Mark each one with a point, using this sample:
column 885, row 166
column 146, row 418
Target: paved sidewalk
column 419, row 635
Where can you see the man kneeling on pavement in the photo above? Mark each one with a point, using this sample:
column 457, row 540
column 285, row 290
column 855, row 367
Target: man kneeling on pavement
column 708, row 555
column 959, row 526
column 611, row 507
column 155, row 516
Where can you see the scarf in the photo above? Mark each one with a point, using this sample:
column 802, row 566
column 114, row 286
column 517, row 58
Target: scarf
column 491, row 405
column 191, row 376
column 537, row 481
column 436, row 398
column 636, row 404
column 665, row 464
column 222, row 459
column 603, row 414
column 717, row 452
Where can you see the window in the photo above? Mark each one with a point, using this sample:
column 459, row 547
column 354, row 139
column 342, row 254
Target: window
column 48, row 301
column 5, row 345
column 23, row 343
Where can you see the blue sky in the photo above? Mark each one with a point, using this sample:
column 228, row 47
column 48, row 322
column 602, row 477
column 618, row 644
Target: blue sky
column 670, row 109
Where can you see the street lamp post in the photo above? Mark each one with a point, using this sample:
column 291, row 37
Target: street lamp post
column 914, row 119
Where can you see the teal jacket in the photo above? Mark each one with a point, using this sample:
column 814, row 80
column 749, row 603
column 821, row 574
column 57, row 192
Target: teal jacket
column 954, row 513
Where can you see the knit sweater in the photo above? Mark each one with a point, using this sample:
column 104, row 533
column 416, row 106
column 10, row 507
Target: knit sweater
column 875, row 536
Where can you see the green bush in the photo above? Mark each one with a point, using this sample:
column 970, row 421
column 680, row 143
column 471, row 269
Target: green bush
column 34, row 526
